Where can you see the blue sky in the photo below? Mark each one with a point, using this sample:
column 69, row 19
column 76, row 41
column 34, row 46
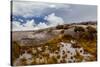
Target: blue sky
column 27, row 15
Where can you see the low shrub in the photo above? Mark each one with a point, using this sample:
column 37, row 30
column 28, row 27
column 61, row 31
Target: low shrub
column 91, row 29
column 15, row 50
column 80, row 29
column 59, row 27
column 65, row 26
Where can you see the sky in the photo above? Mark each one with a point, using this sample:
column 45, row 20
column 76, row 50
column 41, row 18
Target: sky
column 30, row 15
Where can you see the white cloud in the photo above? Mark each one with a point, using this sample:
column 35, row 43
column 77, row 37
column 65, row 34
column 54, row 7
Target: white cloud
column 29, row 23
column 69, row 12
column 28, row 8
column 54, row 20
column 16, row 26
column 21, row 20
column 52, row 6
column 42, row 25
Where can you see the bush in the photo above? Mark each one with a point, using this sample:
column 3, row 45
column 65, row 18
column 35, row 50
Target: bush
column 91, row 29
column 49, row 30
column 80, row 29
column 67, row 37
column 15, row 50
column 62, row 27
column 65, row 26
column 62, row 31
column 88, row 36
column 59, row 27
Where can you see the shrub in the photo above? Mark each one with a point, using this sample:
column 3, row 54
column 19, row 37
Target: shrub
column 62, row 31
column 23, row 61
column 78, row 57
column 49, row 30
column 15, row 50
column 65, row 26
column 87, row 36
column 80, row 29
column 91, row 29
column 59, row 27
column 90, row 34
column 67, row 37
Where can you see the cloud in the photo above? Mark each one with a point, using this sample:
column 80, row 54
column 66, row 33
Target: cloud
column 42, row 25
column 78, row 13
column 53, row 13
column 54, row 20
column 52, row 6
column 16, row 26
column 28, row 8
column 29, row 23
column 69, row 12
